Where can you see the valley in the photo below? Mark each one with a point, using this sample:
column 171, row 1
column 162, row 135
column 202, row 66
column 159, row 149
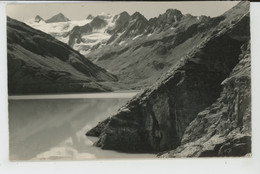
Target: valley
column 40, row 64
column 207, row 91
column 138, row 51
column 192, row 76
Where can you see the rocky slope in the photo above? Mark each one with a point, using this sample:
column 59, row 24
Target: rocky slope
column 161, row 118
column 151, row 44
column 140, row 51
column 76, row 35
column 224, row 128
column 90, row 17
column 38, row 63
column 91, row 35
column 135, row 49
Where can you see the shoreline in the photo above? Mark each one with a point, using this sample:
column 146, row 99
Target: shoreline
column 115, row 94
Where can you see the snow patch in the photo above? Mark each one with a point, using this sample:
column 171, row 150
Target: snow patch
column 121, row 43
column 137, row 36
column 118, row 36
column 63, row 39
column 175, row 18
column 95, row 38
column 84, row 52
column 57, row 27
column 105, row 15
column 60, row 29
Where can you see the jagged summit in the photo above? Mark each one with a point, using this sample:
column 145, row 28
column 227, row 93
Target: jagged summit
column 90, row 17
column 57, row 18
column 98, row 22
column 124, row 13
column 122, row 19
column 38, row 19
column 171, row 15
column 75, row 35
column 165, row 21
column 138, row 16
column 173, row 12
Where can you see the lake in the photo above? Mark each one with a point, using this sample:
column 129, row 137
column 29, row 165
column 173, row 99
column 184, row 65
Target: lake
column 53, row 127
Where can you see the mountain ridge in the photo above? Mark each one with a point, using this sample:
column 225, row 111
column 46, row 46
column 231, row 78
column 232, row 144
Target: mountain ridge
column 38, row 63
column 188, row 96
column 150, row 45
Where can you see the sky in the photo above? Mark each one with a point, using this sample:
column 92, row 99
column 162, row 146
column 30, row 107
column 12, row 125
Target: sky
column 80, row 10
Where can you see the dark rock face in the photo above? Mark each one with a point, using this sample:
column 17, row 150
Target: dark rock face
column 75, row 35
column 224, row 128
column 157, row 119
column 138, row 27
column 57, row 18
column 96, row 131
column 90, row 17
column 38, row 19
column 130, row 26
column 170, row 18
column 98, row 23
column 121, row 22
column 38, row 63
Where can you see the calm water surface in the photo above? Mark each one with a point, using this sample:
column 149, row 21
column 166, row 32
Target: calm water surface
column 53, row 127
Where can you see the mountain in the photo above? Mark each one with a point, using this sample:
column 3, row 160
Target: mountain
column 58, row 30
column 38, row 63
column 133, row 26
column 84, row 38
column 223, row 128
column 121, row 21
column 90, row 17
column 38, row 19
column 76, row 34
column 96, row 31
column 202, row 105
column 154, row 46
column 57, row 18
column 138, row 51
column 164, row 21
column 83, row 35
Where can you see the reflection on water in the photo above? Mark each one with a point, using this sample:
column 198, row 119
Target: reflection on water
column 44, row 129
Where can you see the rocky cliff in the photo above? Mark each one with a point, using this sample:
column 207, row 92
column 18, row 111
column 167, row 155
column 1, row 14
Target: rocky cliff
column 224, row 128
column 157, row 119
column 38, row 63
